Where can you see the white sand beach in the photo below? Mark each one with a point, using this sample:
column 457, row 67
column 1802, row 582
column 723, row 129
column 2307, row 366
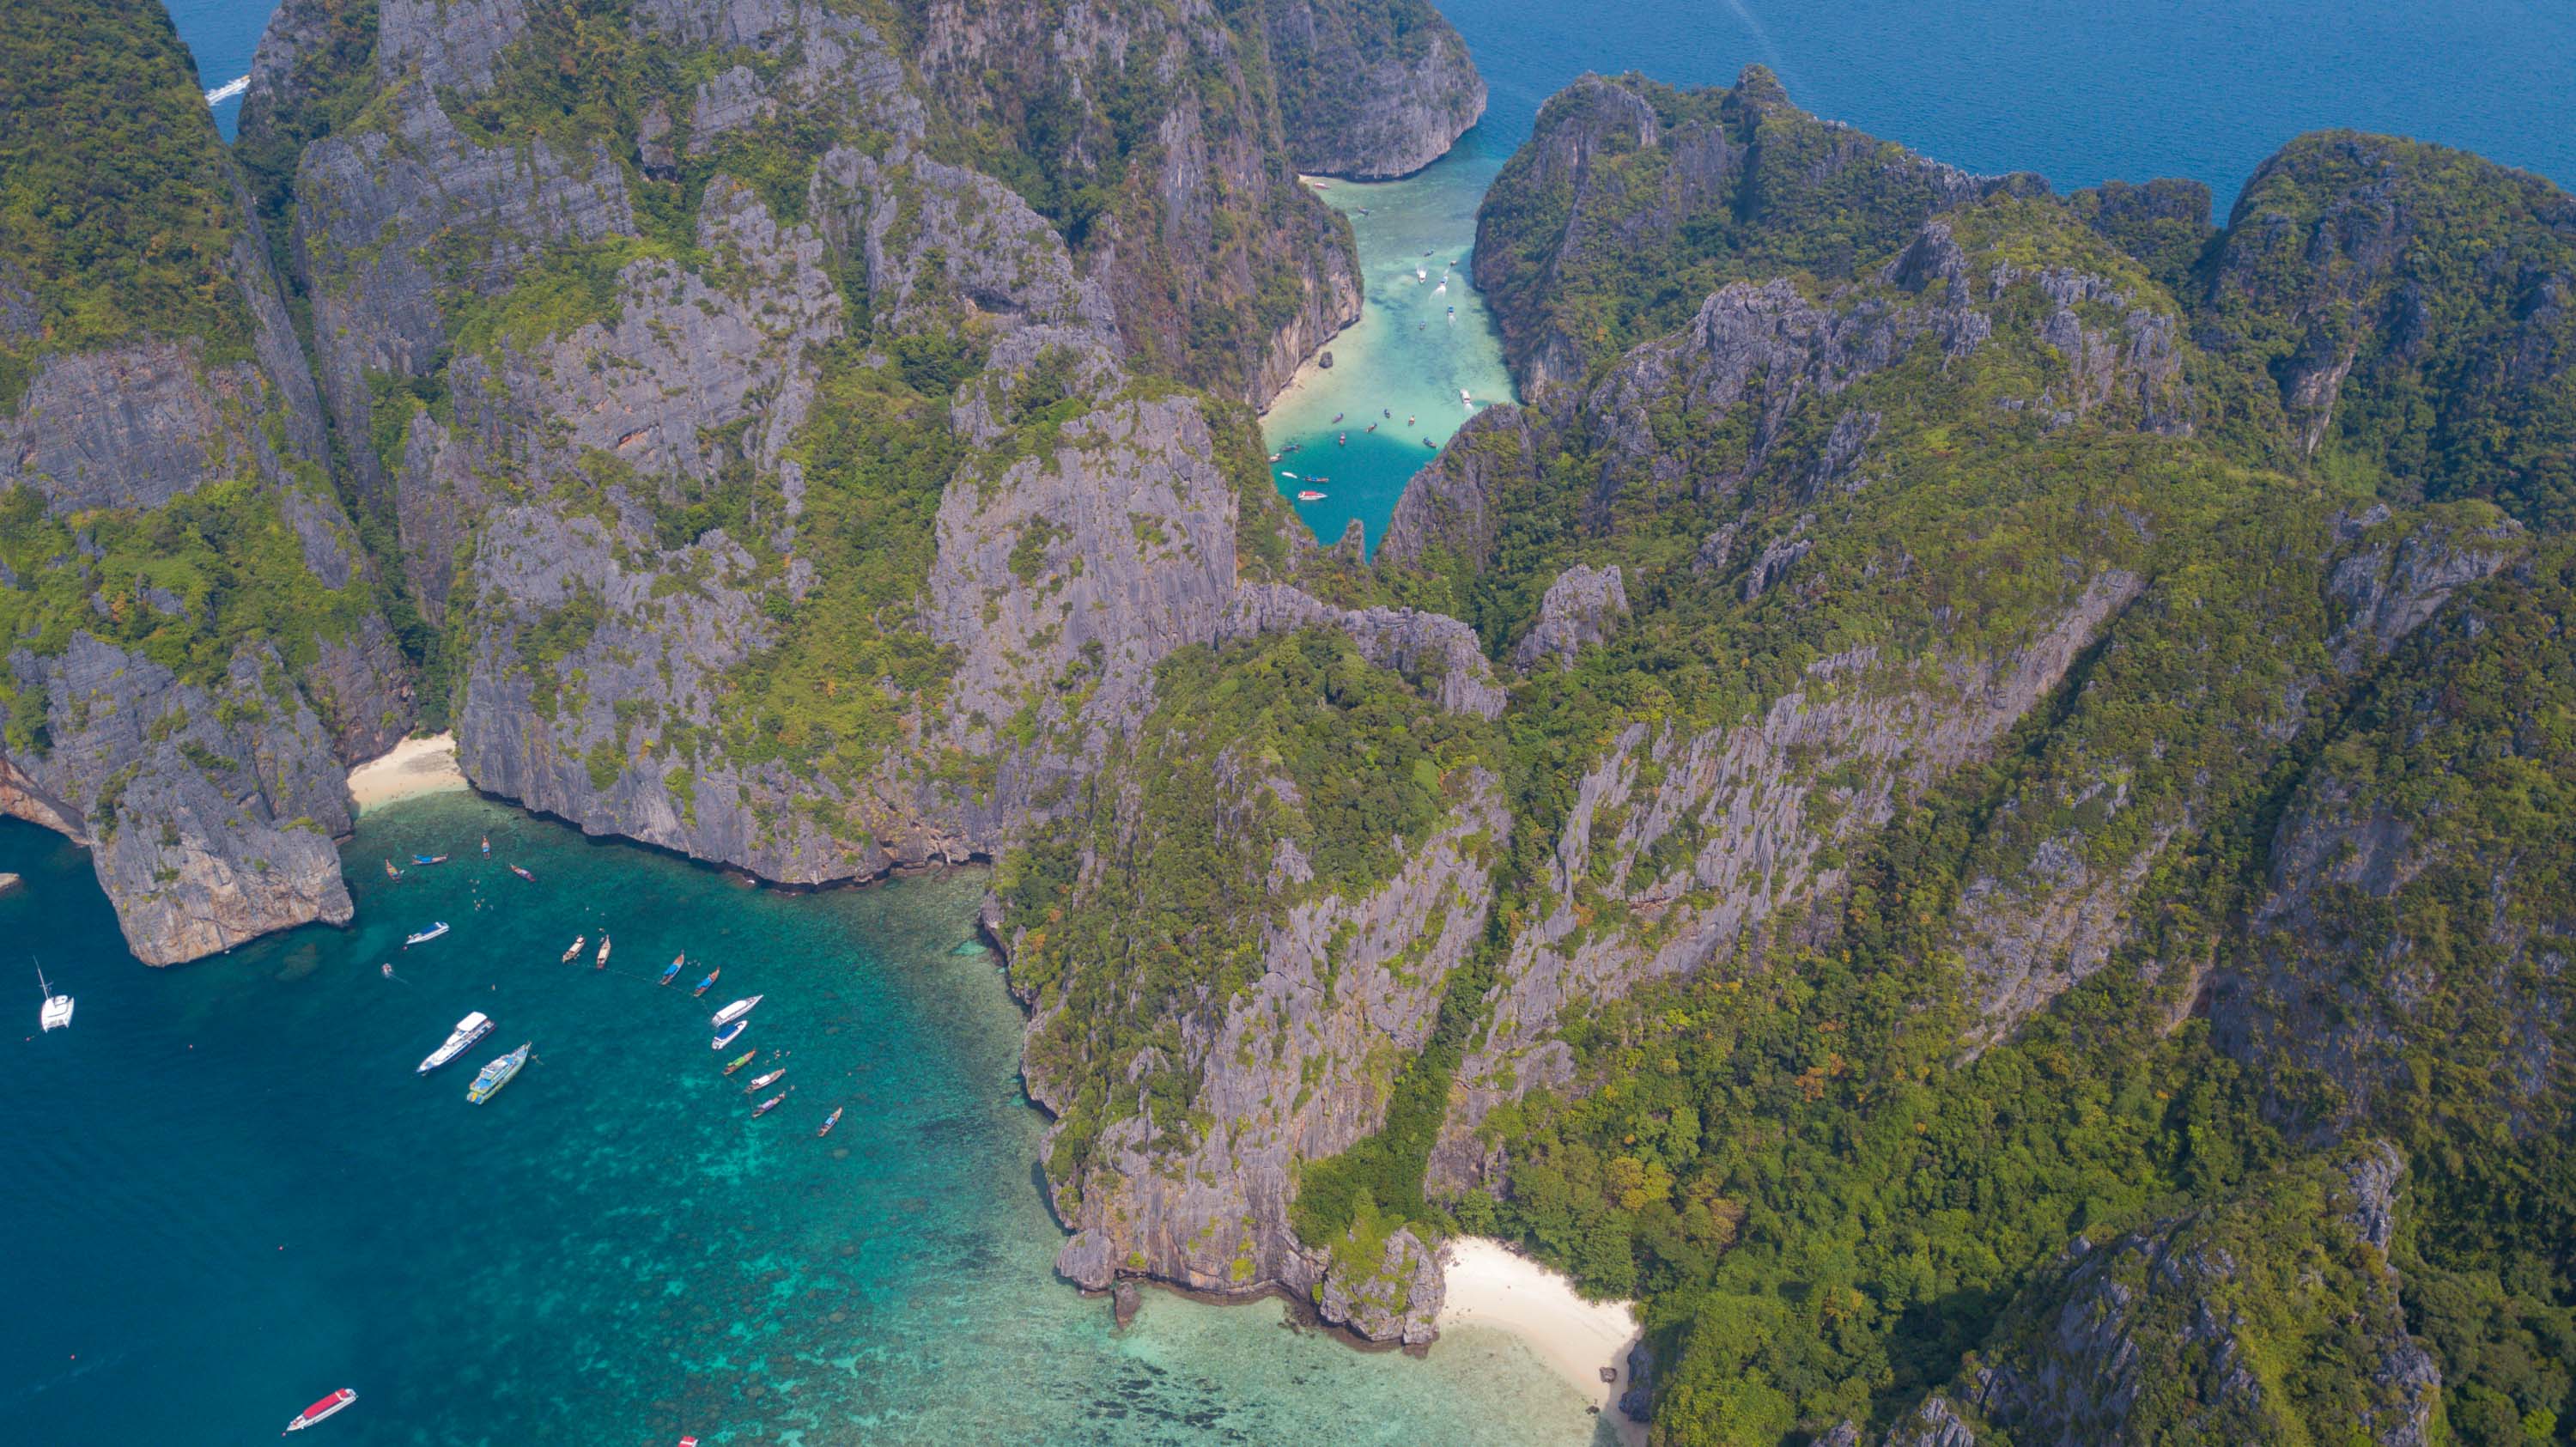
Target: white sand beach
column 1490, row 1284
column 416, row 766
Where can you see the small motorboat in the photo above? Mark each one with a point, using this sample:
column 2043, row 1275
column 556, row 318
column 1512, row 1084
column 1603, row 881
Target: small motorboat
column 1274, row 457
column 1372, row 427
column 602, row 962
column 1344, row 440
column 1427, row 442
column 523, row 874
column 739, row 1061
column 730, row 1034
column 764, row 1082
column 487, row 846
column 1310, row 495
column 1420, row 275
column 389, row 970
column 766, row 1106
column 830, row 1121
column 488, row 1082
column 736, row 1011
column 422, row 937
column 1292, row 477
column 1337, row 419
column 390, row 871
column 57, row 1011
column 574, row 953
column 1408, row 419
column 429, row 859
column 1442, row 289
column 709, row 980
column 1386, row 412
column 468, row 1030
column 672, row 971
column 329, row 1406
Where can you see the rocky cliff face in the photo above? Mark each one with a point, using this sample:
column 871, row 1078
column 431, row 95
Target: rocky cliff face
column 1371, row 92
column 1630, row 190
column 195, row 654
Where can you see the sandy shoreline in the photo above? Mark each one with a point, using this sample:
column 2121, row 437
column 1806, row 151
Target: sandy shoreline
column 1490, row 1284
column 416, row 766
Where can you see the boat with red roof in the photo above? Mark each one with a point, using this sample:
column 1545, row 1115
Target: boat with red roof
column 328, row 1406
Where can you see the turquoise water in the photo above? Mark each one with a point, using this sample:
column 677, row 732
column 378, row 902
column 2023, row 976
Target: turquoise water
column 230, row 1193
column 2078, row 90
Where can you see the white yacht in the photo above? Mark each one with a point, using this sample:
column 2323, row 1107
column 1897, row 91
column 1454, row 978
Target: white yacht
column 735, row 1011
column 57, row 1014
column 468, row 1030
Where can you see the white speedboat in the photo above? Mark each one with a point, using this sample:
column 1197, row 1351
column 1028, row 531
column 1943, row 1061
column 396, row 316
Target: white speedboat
column 735, row 1011
column 468, row 1030
column 57, row 1014
column 422, row 937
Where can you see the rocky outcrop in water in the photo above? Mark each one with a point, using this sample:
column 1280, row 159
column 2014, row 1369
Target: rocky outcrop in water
column 1371, row 92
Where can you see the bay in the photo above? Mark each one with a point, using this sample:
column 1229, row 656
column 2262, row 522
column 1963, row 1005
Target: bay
column 231, row 1193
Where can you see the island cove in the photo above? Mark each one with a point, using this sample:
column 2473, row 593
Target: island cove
column 1961, row 747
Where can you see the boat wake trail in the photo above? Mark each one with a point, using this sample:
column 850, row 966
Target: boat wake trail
column 227, row 90
column 1762, row 38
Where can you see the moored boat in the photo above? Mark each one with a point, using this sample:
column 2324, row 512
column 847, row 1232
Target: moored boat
column 765, row 1081
column 830, row 1121
column 739, row 1061
column 422, row 937
column 574, row 953
column 766, row 1106
column 735, row 1011
column 329, row 1406
column 730, row 1034
column 673, row 972
column 523, row 874
column 1310, row 495
column 709, row 980
column 57, row 1011
column 390, row 871
column 602, row 962
column 468, row 1030
column 501, row 1072
column 429, row 859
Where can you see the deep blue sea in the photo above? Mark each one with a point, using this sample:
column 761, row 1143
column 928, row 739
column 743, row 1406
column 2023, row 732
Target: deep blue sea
column 230, row 1193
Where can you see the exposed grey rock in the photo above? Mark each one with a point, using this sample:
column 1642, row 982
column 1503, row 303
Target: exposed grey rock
column 1454, row 502
column 208, row 813
column 1423, row 646
column 1582, row 607
column 1281, row 1081
column 1366, row 91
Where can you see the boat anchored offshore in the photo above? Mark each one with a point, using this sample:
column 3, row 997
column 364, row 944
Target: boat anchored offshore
column 429, row 859
column 422, row 937
column 831, row 1120
column 602, row 962
column 57, row 1012
column 468, row 1030
column 735, row 1011
column 497, row 1074
column 390, row 871
column 328, row 1406
column 574, row 953
column 523, row 874
column 730, row 1034
column 709, row 980
column 766, row 1106
column 739, row 1061
column 764, row 1081
column 673, row 972
column 1310, row 495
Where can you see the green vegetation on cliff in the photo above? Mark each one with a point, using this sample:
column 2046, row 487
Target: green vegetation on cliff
column 116, row 201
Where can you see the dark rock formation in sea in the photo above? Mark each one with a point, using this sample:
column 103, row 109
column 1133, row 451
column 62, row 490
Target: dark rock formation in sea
column 1370, row 91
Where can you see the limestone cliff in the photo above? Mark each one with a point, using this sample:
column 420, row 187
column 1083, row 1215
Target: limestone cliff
column 1371, row 91
column 195, row 654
